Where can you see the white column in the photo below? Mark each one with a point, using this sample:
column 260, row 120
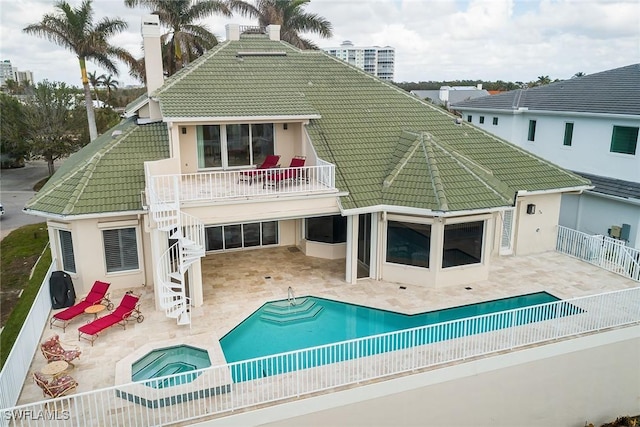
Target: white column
column 159, row 244
column 351, row 270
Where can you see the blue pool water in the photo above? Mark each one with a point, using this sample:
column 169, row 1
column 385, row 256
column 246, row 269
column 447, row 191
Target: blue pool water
column 278, row 327
column 168, row 361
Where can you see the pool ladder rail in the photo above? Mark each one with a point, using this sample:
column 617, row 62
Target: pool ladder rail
column 291, row 296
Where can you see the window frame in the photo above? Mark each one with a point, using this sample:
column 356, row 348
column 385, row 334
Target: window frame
column 483, row 239
column 631, row 144
column 252, row 147
column 225, row 230
column 123, row 267
column 481, row 120
column 69, row 268
column 338, row 229
column 411, row 255
column 469, row 118
column 495, row 121
column 568, row 130
column 531, row 135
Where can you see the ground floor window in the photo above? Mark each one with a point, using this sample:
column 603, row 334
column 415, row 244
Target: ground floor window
column 237, row 236
column 66, row 251
column 462, row 244
column 408, row 243
column 326, row 229
column 121, row 249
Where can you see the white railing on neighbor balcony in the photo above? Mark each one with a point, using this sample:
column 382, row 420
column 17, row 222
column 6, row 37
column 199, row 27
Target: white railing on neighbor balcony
column 222, row 389
column 204, row 186
column 16, row 366
column 603, row 251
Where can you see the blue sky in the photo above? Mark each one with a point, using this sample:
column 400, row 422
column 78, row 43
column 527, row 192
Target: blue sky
column 511, row 40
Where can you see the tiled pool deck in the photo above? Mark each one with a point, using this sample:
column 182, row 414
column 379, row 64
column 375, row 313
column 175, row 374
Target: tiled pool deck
column 232, row 291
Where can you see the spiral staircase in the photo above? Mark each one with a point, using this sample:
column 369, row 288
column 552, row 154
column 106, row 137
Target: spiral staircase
column 186, row 236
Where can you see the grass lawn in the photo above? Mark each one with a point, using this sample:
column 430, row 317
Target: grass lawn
column 19, row 252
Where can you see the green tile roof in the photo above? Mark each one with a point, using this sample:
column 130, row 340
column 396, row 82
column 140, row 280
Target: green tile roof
column 107, row 175
column 388, row 146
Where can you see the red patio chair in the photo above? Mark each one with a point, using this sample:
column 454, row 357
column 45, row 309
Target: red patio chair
column 52, row 350
column 128, row 309
column 57, row 387
column 97, row 295
column 251, row 175
column 295, row 171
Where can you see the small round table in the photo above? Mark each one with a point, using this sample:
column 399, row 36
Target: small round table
column 55, row 369
column 94, row 309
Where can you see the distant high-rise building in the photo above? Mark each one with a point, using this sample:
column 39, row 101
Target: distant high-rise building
column 6, row 71
column 9, row 72
column 376, row 60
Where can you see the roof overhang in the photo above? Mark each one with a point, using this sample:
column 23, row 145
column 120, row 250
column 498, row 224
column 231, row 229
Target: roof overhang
column 421, row 212
column 547, row 112
column 136, row 107
column 577, row 189
column 631, row 201
column 59, row 217
column 243, row 119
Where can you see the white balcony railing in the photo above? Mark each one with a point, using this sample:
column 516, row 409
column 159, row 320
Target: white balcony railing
column 252, row 183
column 222, row 389
column 602, row 251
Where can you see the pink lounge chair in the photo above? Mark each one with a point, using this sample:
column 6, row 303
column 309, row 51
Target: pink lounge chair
column 251, row 175
column 275, row 177
column 52, row 350
column 97, row 295
column 128, row 309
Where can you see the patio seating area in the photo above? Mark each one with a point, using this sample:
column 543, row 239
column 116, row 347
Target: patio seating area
column 232, row 293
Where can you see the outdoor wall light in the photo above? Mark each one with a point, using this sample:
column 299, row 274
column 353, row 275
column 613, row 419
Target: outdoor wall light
column 531, row 209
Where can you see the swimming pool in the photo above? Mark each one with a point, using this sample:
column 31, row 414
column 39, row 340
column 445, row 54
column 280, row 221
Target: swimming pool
column 279, row 327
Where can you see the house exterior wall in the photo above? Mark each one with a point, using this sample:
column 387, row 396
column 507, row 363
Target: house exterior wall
column 595, row 214
column 535, row 233
column 590, row 148
column 87, row 239
column 560, row 384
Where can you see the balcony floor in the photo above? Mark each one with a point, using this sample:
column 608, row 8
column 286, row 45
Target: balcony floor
column 238, row 283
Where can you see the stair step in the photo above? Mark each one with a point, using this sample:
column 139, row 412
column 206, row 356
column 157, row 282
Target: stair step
column 285, row 307
column 282, row 319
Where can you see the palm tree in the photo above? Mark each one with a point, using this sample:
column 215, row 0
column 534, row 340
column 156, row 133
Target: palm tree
column 186, row 40
column 289, row 14
column 96, row 81
column 578, row 74
column 75, row 30
column 543, row 80
column 110, row 85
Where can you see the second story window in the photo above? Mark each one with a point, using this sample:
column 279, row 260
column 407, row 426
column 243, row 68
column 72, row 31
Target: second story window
column 532, row 131
column 568, row 134
column 624, row 140
column 223, row 146
column 469, row 119
column 481, row 120
column 495, row 121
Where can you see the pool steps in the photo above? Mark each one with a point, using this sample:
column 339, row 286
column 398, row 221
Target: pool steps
column 283, row 312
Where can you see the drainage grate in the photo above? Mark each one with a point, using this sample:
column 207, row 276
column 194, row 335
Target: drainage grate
column 403, row 287
column 468, row 288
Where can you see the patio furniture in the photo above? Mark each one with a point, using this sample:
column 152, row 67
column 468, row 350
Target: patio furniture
column 57, row 387
column 258, row 173
column 275, row 177
column 128, row 309
column 52, row 350
column 97, row 295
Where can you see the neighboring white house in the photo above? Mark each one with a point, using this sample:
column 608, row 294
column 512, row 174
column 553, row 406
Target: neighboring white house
column 376, row 60
column 588, row 125
column 448, row 95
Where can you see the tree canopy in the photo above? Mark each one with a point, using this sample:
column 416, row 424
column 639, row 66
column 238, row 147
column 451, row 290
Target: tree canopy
column 186, row 38
column 75, row 30
column 291, row 17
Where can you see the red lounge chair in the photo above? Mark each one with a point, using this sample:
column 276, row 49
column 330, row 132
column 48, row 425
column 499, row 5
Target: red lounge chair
column 128, row 309
column 251, row 175
column 295, row 171
column 97, row 295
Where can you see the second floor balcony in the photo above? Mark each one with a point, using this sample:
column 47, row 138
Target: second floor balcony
column 202, row 187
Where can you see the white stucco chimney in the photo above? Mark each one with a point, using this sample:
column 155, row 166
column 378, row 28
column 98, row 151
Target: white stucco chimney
column 444, row 93
column 274, row 32
column 233, row 32
column 152, row 60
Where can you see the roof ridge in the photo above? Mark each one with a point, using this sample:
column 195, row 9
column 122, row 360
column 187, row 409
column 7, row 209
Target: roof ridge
column 458, row 158
column 89, row 161
column 434, row 171
column 388, row 181
column 187, row 71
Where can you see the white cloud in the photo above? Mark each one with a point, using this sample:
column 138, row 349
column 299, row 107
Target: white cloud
column 511, row 40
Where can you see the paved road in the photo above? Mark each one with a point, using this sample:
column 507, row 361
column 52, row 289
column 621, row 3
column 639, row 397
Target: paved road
column 16, row 188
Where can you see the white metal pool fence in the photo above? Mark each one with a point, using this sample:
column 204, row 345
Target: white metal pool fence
column 313, row 370
column 602, row 251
